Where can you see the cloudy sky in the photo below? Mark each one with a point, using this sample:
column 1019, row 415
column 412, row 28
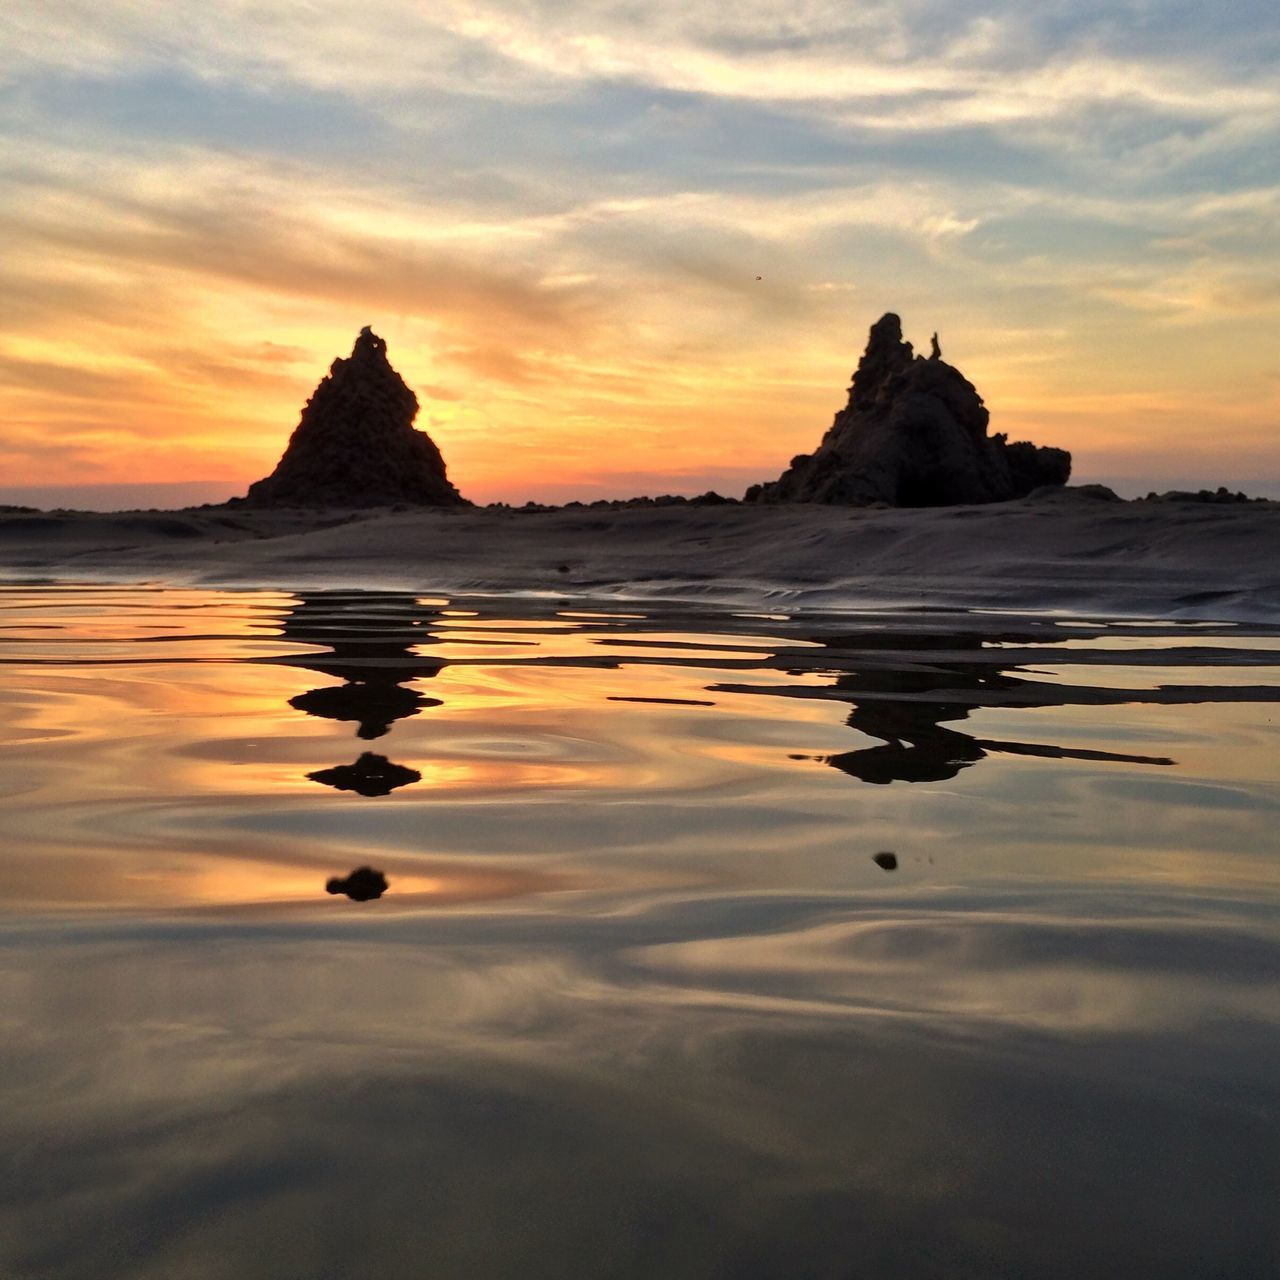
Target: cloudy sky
column 556, row 211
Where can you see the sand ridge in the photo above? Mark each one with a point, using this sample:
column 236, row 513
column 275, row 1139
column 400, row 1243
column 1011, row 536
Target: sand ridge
column 1065, row 550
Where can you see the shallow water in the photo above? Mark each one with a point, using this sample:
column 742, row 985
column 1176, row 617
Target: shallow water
column 638, row 1000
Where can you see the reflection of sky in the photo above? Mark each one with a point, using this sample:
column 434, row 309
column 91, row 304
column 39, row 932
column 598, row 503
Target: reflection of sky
column 764, row 1087
column 186, row 747
column 557, row 215
column 638, row 1002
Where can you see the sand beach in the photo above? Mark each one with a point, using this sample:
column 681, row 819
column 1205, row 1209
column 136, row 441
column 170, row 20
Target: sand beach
column 1066, row 550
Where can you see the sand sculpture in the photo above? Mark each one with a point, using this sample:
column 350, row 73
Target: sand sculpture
column 914, row 434
column 355, row 444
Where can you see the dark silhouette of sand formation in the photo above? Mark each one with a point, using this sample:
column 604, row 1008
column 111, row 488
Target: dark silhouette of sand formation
column 372, row 640
column 355, row 444
column 907, row 698
column 370, row 775
column 362, row 885
column 913, row 434
column 918, row 747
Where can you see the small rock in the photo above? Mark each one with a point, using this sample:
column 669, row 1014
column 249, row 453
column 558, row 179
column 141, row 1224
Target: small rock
column 361, row 885
column 1090, row 492
column 1220, row 495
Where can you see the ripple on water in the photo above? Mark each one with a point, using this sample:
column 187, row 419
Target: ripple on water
column 637, row 1000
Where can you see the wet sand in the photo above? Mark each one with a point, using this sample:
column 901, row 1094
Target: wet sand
column 1068, row 551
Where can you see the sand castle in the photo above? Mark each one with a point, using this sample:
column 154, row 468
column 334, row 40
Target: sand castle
column 355, row 444
column 914, row 434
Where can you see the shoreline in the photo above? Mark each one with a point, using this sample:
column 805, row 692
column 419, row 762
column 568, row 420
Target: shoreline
column 1067, row 551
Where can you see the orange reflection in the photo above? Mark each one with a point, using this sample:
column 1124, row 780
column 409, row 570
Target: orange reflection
column 430, row 883
column 342, row 728
column 114, row 878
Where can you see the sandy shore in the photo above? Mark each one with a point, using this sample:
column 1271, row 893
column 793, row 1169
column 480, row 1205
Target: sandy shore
column 1069, row 551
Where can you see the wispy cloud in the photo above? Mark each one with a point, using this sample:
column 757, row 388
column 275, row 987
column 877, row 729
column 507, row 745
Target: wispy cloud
column 654, row 234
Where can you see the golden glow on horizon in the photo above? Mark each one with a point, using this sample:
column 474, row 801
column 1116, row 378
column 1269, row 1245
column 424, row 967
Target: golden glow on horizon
column 110, row 878
column 511, row 422
column 636, row 258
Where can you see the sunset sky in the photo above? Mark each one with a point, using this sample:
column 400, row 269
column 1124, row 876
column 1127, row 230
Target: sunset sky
column 556, row 211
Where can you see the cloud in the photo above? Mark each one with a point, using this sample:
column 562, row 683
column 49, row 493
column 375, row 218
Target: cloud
column 67, row 380
column 557, row 213
column 262, row 231
column 989, row 62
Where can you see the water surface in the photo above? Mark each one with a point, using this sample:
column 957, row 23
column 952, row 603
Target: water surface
column 639, row 1000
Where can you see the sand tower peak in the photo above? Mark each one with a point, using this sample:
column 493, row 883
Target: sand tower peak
column 355, row 444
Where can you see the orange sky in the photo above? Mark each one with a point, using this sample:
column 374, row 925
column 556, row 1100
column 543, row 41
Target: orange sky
column 557, row 222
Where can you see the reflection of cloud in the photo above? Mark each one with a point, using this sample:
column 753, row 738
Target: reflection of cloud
column 777, row 1101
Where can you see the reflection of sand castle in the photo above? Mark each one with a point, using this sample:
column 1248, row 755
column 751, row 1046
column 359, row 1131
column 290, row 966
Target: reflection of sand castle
column 355, row 444
column 905, row 697
column 372, row 641
column 376, row 706
column 371, row 775
column 914, row 434
column 917, row 748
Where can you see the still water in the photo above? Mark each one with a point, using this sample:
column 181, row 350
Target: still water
column 640, row 1000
